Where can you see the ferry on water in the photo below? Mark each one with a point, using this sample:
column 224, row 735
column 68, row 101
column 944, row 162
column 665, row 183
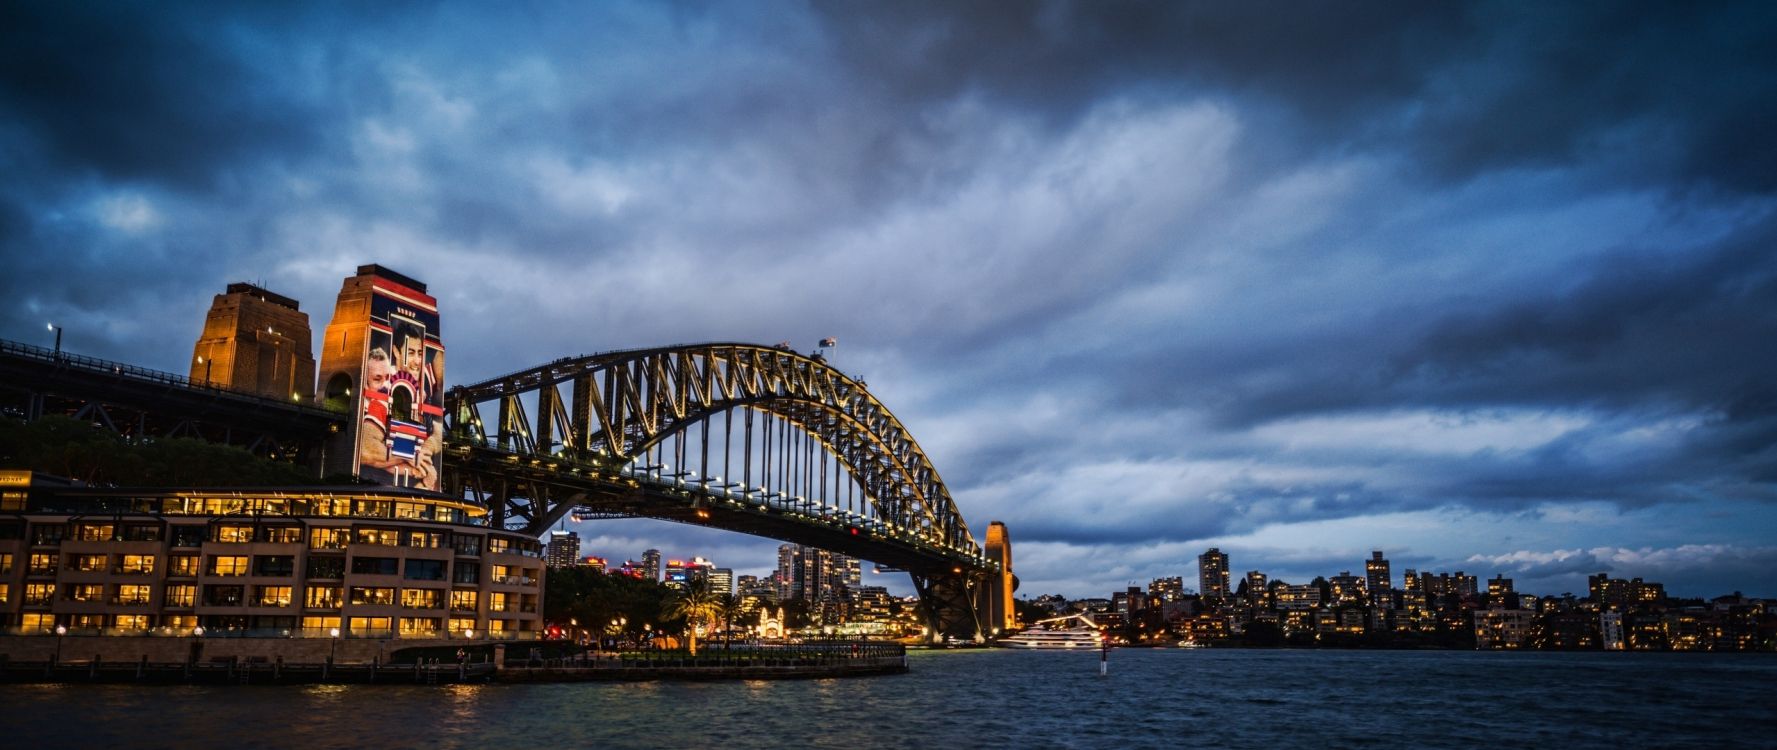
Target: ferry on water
column 1053, row 633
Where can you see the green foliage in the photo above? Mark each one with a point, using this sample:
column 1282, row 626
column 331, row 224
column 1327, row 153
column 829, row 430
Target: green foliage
column 79, row 450
column 596, row 600
column 1028, row 612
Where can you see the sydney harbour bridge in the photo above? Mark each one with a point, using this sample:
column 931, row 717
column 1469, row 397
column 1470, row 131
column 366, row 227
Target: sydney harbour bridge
column 755, row 439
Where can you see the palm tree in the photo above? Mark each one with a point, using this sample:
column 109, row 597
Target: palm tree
column 729, row 606
column 696, row 603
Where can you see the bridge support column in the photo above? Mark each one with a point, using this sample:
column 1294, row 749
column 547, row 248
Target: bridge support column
column 947, row 605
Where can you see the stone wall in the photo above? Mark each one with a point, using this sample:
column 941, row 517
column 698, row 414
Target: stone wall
column 169, row 650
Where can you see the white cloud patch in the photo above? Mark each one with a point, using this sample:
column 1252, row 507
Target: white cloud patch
column 128, row 212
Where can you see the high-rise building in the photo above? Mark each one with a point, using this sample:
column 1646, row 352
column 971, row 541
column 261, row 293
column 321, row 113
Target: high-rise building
column 1212, row 574
column 651, row 565
column 813, row 574
column 788, row 576
column 594, row 562
column 564, row 549
column 1166, row 590
column 677, row 573
column 1376, row 572
column 1615, row 593
column 721, row 580
column 1257, row 595
column 1346, row 588
column 256, row 342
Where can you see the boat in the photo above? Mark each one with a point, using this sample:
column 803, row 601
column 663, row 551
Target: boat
column 1052, row 634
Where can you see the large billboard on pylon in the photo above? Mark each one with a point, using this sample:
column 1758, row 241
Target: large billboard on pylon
column 384, row 361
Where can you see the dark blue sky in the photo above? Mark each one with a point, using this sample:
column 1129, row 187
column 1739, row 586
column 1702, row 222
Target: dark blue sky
column 1490, row 287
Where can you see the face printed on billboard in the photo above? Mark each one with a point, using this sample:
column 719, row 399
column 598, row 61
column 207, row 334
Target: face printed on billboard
column 401, row 430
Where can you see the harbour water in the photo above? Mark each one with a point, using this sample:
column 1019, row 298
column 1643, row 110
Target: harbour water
column 988, row 698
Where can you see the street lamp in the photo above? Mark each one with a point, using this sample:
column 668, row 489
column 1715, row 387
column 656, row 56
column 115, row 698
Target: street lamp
column 206, row 362
column 61, row 630
column 333, row 645
column 58, row 330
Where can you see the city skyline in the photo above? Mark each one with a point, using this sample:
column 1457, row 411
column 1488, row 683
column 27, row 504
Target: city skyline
column 1488, row 286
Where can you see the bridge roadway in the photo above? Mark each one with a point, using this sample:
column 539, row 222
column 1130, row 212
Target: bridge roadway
column 139, row 403
column 628, row 492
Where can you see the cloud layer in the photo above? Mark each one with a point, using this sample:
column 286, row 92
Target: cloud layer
column 1143, row 278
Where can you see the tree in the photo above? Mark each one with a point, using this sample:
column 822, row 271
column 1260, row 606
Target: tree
column 730, row 607
column 696, row 604
column 79, row 450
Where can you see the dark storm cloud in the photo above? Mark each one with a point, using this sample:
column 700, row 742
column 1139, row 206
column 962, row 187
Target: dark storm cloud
column 140, row 91
column 1190, row 265
column 1664, row 89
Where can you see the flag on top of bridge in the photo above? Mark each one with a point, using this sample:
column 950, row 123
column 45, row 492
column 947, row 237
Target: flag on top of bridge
column 829, row 342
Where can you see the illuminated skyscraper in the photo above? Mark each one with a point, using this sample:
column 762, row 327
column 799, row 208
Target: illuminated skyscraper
column 1212, row 574
column 564, row 549
column 1165, row 590
column 721, row 580
column 1376, row 573
column 811, row 573
column 651, row 565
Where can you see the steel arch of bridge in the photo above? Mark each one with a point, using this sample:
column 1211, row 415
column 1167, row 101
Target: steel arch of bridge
column 606, row 445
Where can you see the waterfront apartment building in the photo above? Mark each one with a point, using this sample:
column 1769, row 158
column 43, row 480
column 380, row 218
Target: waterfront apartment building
column 1166, row 590
column 367, row 562
column 1376, row 573
column 1212, row 574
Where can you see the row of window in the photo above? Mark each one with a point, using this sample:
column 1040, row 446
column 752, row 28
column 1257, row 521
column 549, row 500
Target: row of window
column 226, row 533
column 312, row 626
column 275, row 566
column 182, row 596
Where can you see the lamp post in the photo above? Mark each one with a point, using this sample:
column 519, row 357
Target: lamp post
column 61, row 630
column 206, row 362
column 332, row 646
column 58, row 330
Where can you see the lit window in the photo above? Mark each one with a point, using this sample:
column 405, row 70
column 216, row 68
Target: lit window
column 328, row 538
column 224, row 565
column 369, row 626
column 419, row 626
column 463, row 600
column 373, row 596
column 86, row 592
column 283, row 535
column 385, row 537
column 234, row 534
column 181, row 595
column 323, row 597
column 133, row 593
column 271, row 596
column 136, row 564
column 182, row 565
column 420, row 598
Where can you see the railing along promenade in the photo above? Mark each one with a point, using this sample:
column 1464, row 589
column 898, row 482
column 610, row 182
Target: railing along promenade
column 486, row 663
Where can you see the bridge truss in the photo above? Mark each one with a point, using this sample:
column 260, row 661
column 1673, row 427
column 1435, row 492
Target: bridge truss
column 734, row 436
